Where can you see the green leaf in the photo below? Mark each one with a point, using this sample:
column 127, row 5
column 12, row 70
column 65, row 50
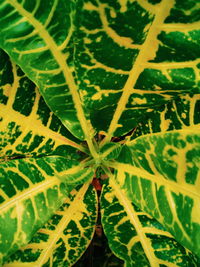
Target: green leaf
column 104, row 67
column 40, row 43
column 30, row 192
column 110, row 151
column 137, row 238
column 181, row 113
column 78, row 174
column 27, row 126
column 62, row 240
column 160, row 174
column 127, row 67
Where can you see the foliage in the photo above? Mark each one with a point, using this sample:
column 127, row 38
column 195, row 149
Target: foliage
column 105, row 89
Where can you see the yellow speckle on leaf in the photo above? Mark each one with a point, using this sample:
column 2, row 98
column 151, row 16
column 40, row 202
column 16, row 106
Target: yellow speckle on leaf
column 83, row 93
column 6, row 89
column 183, row 115
column 89, row 6
column 98, row 39
column 165, row 125
column 113, row 14
column 121, row 177
column 87, row 41
column 86, row 81
column 109, row 197
column 138, row 101
column 123, row 4
column 13, row 214
column 96, row 96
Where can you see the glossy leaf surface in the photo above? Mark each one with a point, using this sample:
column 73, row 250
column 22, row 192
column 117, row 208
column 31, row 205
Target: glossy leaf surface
column 27, row 126
column 124, row 70
column 137, row 238
column 41, row 37
column 30, row 192
column 160, row 174
column 62, row 240
column 131, row 57
column 181, row 113
column 116, row 73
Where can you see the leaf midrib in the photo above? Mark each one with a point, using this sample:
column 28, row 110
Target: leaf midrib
column 30, row 192
column 132, row 170
column 194, row 129
column 66, row 71
column 146, row 244
column 62, row 225
column 138, row 67
column 38, row 128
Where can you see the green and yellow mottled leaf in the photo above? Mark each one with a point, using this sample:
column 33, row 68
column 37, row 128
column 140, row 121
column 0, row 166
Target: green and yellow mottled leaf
column 181, row 113
column 110, row 151
column 103, row 67
column 92, row 53
column 30, row 191
column 38, row 36
column 132, row 56
column 136, row 237
column 62, row 240
column 78, row 174
column 160, row 174
column 27, row 126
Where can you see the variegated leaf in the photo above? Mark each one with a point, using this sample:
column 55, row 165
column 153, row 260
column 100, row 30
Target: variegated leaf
column 27, row 126
column 30, row 191
column 137, row 238
column 131, row 57
column 181, row 113
column 62, row 240
column 110, row 151
column 38, row 36
column 160, row 174
column 120, row 69
column 104, row 66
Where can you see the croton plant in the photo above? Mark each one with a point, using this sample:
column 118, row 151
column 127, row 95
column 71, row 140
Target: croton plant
column 106, row 90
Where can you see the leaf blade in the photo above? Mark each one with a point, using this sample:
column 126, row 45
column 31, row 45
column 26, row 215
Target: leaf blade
column 164, row 181
column 135, row 237
column 27, row 126
column 63, row 226
column 49, row 51
column 143, row 57
column 24, row 212
column 108, row 44
column 31, row 190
